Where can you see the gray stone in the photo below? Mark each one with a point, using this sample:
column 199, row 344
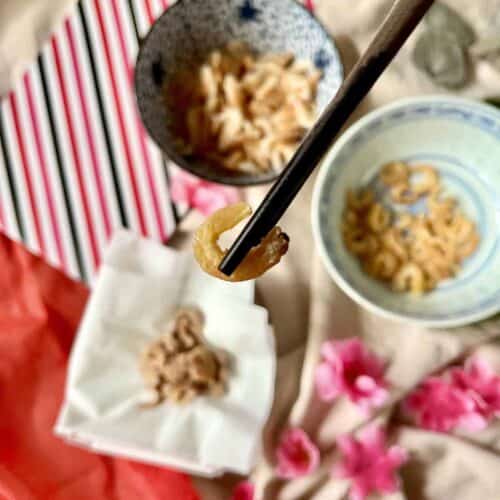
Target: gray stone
column 444, row 19
column 442, row 58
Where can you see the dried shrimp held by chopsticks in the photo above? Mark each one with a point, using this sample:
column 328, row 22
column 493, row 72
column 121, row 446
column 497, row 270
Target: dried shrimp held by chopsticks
column 260, row 259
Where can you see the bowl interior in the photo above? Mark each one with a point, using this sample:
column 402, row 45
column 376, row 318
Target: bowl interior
column 190, row 29
column 460, row 138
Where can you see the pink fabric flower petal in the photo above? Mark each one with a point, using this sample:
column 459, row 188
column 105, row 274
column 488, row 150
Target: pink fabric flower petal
column 244, row 491
column 479, row 368
column 372, row 438
column 379, row 396
column 386, row 483
column 349, row 368
column 482, row 385
column 397, row 456
column 326, row 382
column 465, row 397
column 358, row 491
column 437, row 405
column 206, row 197
column 331, row 350
column 310, row 5
column 348, row 446
column 209, row 198
column 364, row 383
column 297, row 455
column 472, row 422
column 182, row 187
column 369, row 463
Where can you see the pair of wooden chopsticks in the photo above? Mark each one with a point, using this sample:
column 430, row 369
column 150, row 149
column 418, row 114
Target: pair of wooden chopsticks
column 397, row 27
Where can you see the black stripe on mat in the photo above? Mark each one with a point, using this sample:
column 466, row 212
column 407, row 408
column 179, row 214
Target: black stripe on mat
column 10, row 179
column 133, row 16
column 77, row 244
column 102, row 114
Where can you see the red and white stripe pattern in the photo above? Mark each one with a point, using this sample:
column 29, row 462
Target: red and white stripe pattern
column 75, row 161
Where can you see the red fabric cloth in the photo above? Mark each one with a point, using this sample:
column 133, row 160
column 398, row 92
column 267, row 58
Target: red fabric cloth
column 39, row 312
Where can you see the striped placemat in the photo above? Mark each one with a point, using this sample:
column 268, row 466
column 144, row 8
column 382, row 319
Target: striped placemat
column 75, row 161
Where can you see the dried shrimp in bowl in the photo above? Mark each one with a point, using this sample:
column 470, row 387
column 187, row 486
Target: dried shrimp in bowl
column 413, row 252
column 260, row 259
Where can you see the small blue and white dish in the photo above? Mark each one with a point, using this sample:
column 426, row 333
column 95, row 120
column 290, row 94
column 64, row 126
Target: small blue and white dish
column 461, row 138
column 184, row 35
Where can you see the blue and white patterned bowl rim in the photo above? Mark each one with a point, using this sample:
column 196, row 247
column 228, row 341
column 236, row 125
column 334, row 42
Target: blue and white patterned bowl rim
column 483, row 116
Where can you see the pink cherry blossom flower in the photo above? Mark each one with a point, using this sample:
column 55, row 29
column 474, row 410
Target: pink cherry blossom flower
column 439, row 405
column 309, row 5
column 479, row 381
column 297, row 455
column 369, row 463
column 243, row 491
column 349, row 368
column 204, row 196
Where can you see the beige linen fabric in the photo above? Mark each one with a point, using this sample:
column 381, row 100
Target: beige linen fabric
column 24, row 26
column 306, row 307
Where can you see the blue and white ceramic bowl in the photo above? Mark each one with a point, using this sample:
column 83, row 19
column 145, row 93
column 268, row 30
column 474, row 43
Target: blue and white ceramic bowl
column 190, row 29
column 462, row 139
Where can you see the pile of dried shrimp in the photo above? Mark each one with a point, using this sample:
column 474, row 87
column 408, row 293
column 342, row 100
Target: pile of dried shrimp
column 413, row 253
column 244, row 112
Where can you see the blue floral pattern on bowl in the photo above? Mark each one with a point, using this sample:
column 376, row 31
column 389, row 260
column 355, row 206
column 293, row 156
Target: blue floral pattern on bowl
column 190, row 29
column 248, row 12
column 462, row 139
